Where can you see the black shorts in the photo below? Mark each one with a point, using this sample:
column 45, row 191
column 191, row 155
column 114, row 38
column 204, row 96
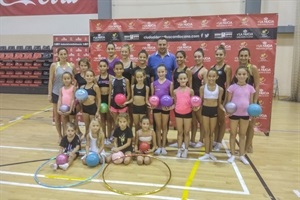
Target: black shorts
column 210, row 112
column 139, row 109
column 54, row 98
column 90, row 109
column 165, row 112
column 188, row 115
column 235, row 117
column 104, row 98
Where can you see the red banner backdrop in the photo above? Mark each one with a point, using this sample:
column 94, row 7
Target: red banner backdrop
column 47, row 7
column 257, row 32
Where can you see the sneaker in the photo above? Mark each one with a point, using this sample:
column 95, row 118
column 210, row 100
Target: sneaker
column 212, row 157
column 158, row 151
column 218, row 146
column 163, row 151
column 192, row 144
column 179, row 152
column 183, row 145
column 244, row 160
column 184, row 153
column 198, row 145
column 205, row 157
column 214, row 143
column 231, row 159
column 64, row 166
column 174, row 145
column 53, row 166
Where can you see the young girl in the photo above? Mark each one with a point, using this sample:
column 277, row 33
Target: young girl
column 70, row 145
column 111, row 57
column 127, row 73
column 211, row 95
column 84, row 65
column 94, row 141
column 183, row 113
column 123, row 138
column 241, row 94
column 118, row 85
column 244, row 60
column 161, row 87
column 181, row 67
column 145, row 134
column 224, row 74
column 55, row 83
column 90, row 107
column 103, row 82
column 142, row 57
column 199, row 76
column 140, row 95
column 66, row 98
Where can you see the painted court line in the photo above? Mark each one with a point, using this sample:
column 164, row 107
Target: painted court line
column 81, row 190
column 240, row 178
column 27, row 116
column 297, row 193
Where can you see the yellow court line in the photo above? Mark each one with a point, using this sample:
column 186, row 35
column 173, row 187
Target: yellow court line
column 189, row 181
column 69, row 178
column 26, row 116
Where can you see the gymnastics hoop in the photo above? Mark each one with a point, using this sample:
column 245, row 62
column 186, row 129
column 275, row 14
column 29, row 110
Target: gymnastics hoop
column 68, row 185
column 137, row 193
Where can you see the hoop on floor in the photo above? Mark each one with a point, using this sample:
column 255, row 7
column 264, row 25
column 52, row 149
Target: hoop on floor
column 68, row 185
column 137, row 193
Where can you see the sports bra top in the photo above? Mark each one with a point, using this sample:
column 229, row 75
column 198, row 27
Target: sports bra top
column 80, row 80
column 103, row 82
column 90, row 90
column 250, row 78
column 211, row 94
column 145, row 138
column 93, row 143
column 127, row 73
column 139, row 92
column 196, row 81
column 175, row 76
column 222, row 76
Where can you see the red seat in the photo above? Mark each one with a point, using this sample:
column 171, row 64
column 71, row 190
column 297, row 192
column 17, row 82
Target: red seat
column 9, row 56
column 27, row 56
column 37, row 55
column 18, row 56
column 2, row 55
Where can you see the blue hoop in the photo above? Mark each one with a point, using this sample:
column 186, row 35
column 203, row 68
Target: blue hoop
column 68, row 185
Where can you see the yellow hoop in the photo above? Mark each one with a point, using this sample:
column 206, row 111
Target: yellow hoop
column 137, row 193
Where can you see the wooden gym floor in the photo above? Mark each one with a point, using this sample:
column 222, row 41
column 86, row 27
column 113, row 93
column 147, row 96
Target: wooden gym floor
column 28, row 139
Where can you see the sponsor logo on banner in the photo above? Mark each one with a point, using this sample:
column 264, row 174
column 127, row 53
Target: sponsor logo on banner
column 243, row 45
column 114, row 26
column 261, row 102
column 245, row 34
column 264, row 46
column 236, row 59
column 265, row 22
column 149, row 25
column 98, row 57
column 117, row 47
column 204, row 23
column 115, row 37
column 203, row 46
column 263, row 93
column 262, row 80
column 131, row 25
column 224, row 23
column 98, row 47
column 132, row 37
column 184, row 47
column 98, row 27
column 223, row 35
column 258, row 124
column 263, row 116
column 204, row 35
column 46, row 7
column 78, row 50
column 99, row 37
column 206, row 59
column 149, row 47
column 184, row 24
column 264, row 70
column 133, row 58
column 166, row 24
column 244, row 21
column 265, row 33
column 63, row 39
column 226, row 46
column 132, row 47
column 263, row 57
